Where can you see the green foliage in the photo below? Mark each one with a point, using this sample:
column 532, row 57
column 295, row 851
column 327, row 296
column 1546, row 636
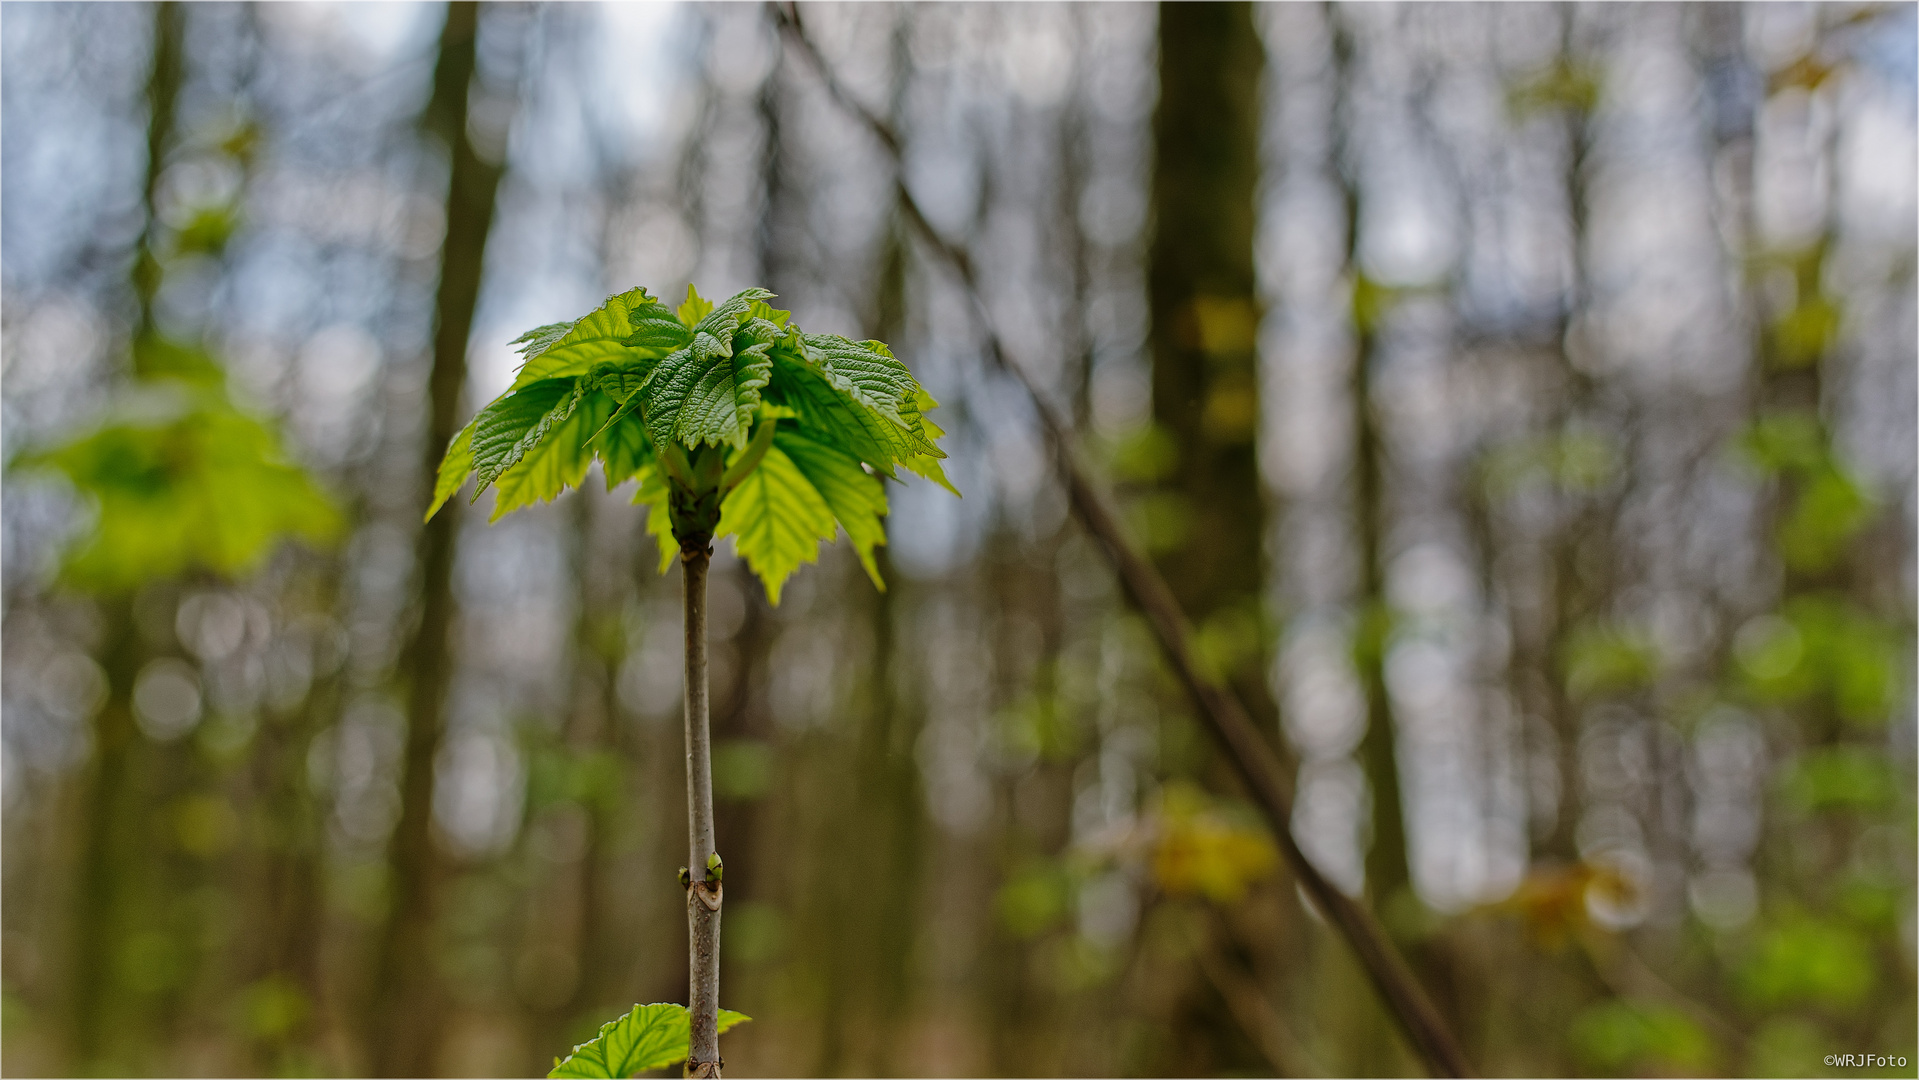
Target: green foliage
column 183, row 481
column 1146, row 455
column 1620, row 1036
column 1577, row 462
column 1607, row 659
column 742, row 769
column 1820, row 646
column 1035, row 898
column 732, row 420
column 1565, row 85
column 777, row 518
column 1843, row 778
column 1803, row 334
column 1162, row 519
column 1827, row 508
column 1806, row 960
column 558, row 774
column 1785, row 1045
column 1784, row 441
column 1041, row 726
column 273, row 1007
column 1372, row 300
column 1202, row 847
column 1232, row 640
column 648, row 1037
column 1830, row 509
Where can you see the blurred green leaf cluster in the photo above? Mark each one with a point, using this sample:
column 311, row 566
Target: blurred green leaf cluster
column 1821, row 647
column 1619, row 1036
column 1803, row 960
column 1608, row 659
column 181, row 481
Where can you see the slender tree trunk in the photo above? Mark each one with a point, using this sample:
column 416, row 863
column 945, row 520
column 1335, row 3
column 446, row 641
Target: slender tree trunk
column 702, row 898
column 1386, row 865
column 116, row 741
column 1583, row 522
column 163, row 86
column 1387, row 870
column 1202, row 290
column 404, row 1016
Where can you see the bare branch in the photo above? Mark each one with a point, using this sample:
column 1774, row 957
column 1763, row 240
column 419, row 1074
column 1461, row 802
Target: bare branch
column 1252, row 757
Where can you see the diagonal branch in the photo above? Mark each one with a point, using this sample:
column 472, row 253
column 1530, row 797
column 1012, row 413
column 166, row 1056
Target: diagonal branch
column 1252, row 757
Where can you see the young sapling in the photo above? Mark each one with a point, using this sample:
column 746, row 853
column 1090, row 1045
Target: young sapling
column 734, row 423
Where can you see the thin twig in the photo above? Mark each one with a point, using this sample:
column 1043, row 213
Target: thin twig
column 1255, row 760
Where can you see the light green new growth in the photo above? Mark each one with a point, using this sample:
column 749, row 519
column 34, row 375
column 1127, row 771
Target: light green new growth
column 733, row 421
column 183, row 481
column 648, row 1037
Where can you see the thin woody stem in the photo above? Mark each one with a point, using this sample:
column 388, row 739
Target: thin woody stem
column 1247, row 749
column 702, row 899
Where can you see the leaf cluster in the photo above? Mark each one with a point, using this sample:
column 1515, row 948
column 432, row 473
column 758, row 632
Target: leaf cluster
column 732, row 420
column 182, row 481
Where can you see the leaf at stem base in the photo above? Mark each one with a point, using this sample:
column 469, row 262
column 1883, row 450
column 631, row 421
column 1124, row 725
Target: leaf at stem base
column 647, row 1037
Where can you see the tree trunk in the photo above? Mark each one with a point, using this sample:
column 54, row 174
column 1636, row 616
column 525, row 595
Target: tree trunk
column 703, row 896
column 404, row 1006
column 116, row 742
column 163, row 87
column 1387, row 870
column 1202, row 291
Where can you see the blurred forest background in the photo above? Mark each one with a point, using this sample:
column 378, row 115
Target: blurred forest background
column 1520, row 399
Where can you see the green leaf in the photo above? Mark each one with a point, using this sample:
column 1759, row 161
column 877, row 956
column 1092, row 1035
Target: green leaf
column 732, row 312
column 859, row 397
column 653, row 495
column 1842, row 778
column 777, row 518
column 694, row 309
column 183, row 481
column 1623, row 1037
column 453, row 469
column 559, row 460
column 928, row 465
column 540, row 339
column 623, row 450
column 605, row 336
column 647, row 1037
column 866, row 371
column 655, row 327
column 858, row 500
column 1808, row 960
column 706, row 393
column 1605, row 659
column 505, row 430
